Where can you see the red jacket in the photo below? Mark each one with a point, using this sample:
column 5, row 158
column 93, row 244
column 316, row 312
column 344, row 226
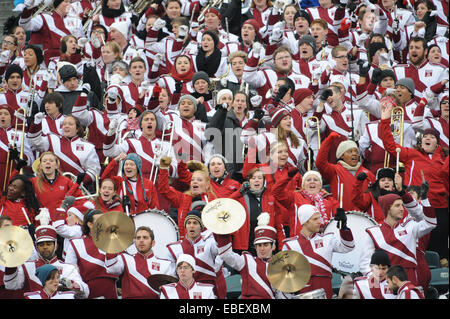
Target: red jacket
column 293, row 200
column 336, row 174
column 14, row 210
column 366, row 202
column 416, row 161
column 179, row 200
column 268, row 205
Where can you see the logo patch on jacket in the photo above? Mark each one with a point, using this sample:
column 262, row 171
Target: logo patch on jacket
column 197, row 295
column 156, row 266
column 428, row 73
column 318, row 243
column 200, row 249
column 402, row 232
column 79, row 147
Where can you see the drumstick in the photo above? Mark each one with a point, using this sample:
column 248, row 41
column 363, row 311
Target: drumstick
column 398, row 150
column 125, row 194
column 340, row 195
column 26, row 215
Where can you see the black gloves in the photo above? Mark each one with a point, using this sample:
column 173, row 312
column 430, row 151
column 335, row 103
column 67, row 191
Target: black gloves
column 258, row 114
column 178, row 86
column 424, row 190
column 361, row 176
column 13, row 154
column 80, row 178
column 341, row 219
column 376, row 76
column 326, row 94
column 68, row 202
column 21, row 163
column 292, row 171
column 244, row 188
column 364, row 67
column 282, row 90
column 126, row 203
column 31, row 230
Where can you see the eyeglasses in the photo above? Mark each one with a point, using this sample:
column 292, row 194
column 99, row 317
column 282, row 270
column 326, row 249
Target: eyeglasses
column 7, row 42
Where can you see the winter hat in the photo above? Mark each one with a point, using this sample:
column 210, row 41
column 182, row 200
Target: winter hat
column 277, row 114
column 374, row 47
column 189, row 97
column 123, row 27
column 308, row 40
column 44, row 271
column 385, row 172
column 138, row 161
column 301, row 94
column 315, row 173
column 67, row 72
column 344, row 147
column 194, row 214
column 186, row 258
column 253, row 23
column 213, row 36
column 434, row 132
column 80, row 209
column 224, row 160
column 386, row 201
column 13, row 68
column 221, row 93
column 305, row 212
column 408, row 83
column 387, row 73
column 380, row 257
column 37, row 51
column 302, row 14
column 215, row 11
column 197, row 203
column 263, row 232
column 6, row 107
column 45, row 233
column 56, row 3
column 200, row 75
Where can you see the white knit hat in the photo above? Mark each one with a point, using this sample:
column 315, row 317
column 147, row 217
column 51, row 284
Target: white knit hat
column 315, row 173
column 123, row 27
column 222, row 92
column 305, row 212
column 186, row 258
column 344, row 147
column 81, row 209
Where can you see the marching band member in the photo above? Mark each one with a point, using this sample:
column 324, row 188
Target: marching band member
column 14, row 95
column 52, row 122
column 400, row 284
column 187, row 287
column 108, row 198
column 200, row 244
column 135, row 269
column 82, row 251
column 24, row 277
column 113, row 11
column 319, row 248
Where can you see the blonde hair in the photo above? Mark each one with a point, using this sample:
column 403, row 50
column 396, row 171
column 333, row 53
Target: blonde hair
column 283, row 134
column 207, row 181
column 40, row 174
column 238, row 54
column 115, row 47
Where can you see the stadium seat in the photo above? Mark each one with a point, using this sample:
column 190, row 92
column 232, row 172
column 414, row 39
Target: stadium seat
column 336, row 282
column 432, row 259
column 439, row 279
column 233, row 286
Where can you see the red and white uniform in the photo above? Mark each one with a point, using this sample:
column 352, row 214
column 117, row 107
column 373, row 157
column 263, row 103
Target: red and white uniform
column 319, row 249
column 195, row 291
column 135, row 269
column 42, row 294
column 53, row 125
column 24, row 277
column 400, row 241
column 370, row 288
column 409, row 291
column 15, row 99
column 442, row 126
column 67, row 232
column 106, row 22
column 333, row 16
column 298, row 126
column 208, row 265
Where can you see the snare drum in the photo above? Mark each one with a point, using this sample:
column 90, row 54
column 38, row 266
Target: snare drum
column 314, row 294
column 357, row 222
column 162, row 225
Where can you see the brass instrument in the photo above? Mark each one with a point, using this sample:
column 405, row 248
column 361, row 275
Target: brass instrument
column 211, row 4
column 397, row 129
column 42, row 8
column 74, row 179
column 215, row 84
column 139, row 6
column 157, row 280
column 168, row 131
column 91, row 196
column 308, row 126
column 90, row 15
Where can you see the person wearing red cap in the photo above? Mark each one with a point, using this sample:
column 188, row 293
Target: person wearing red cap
column 253, row 269
column 14, row 94
column 427, row 158
column 398, row 235
column 23, row 276
column 213, row 23
column 249, row 35
column 319, row 248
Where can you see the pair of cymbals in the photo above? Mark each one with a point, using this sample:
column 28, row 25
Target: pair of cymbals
column 289, row 271
column 158, row 280
column 16, row 246
column 113, row 232
column 223, row 216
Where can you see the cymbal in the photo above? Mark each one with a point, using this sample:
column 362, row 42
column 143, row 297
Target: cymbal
column 16, row 246
column 223, row 215
column 113, row 232
column 289, row 271
column 157, row 280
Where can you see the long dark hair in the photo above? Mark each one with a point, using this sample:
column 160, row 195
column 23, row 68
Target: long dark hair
column 30, row 199
column 89, row 217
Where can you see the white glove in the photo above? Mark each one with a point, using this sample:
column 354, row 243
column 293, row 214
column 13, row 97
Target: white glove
column 47, row 3
column 82, row 42
column 19, row 115
column 256, row 48
column 52, row 82
column 278, row 5
column 421, row 33
column 113, row 93
column 428, row 95
column 279, row 25
column 95, row 42
column 256, row 100
column 182, row 31
column 433, row 13
column 224, row 81
column 38, row 117
column 159, row 58
column 276, row 36
column 112, row 127
column 362, row 39
column 159, row 24
column 263, row 219
column 44, row 215
column 4, row 57
column 145, row 85
column 115, row 79
column 383, row 58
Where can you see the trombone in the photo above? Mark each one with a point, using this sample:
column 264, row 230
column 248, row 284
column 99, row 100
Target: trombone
column 308, row 127
column 211, row 4
column 42, row 8
column 168, row 130
column 74, row 179
column 139, row 6
column 397, row 129
column 90, row 15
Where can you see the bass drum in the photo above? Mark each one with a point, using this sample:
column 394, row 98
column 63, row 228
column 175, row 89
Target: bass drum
column 162, row 225
column 357, row 222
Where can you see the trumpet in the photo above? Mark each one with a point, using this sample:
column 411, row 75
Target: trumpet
column 90, row 15
column 139, row 6
column 211, row 4
column 168, row 130
column 308, row 127
column 42, row 8
column 397, row 129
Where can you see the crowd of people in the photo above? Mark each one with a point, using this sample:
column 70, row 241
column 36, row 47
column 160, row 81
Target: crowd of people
column 306, row 113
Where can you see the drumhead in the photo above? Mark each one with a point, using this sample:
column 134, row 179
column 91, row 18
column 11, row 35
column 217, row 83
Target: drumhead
column 358, row 222
column 163, row 226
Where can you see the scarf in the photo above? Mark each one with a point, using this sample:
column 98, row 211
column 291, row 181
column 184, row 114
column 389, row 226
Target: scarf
column 113, row 13
column 206, row 96
column 318, row 202
column 348, row 167
column 219, row 180
column 185, row 77
column 133, row 124
column 209, row 64
column 257, row 193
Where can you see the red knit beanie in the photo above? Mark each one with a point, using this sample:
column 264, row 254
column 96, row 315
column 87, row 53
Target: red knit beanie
column 277, row 114
column 301, row 94
column 386, row 202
